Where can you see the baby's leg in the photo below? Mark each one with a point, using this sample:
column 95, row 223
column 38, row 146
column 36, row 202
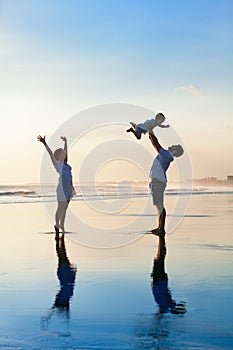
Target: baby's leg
column 133, row 125
column 138, row 135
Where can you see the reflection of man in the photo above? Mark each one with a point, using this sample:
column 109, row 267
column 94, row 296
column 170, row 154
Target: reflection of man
column 159, row 178
column 66, row 273
column 159, row 283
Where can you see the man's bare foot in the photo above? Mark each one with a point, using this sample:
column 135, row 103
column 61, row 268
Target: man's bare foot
column 158, row 232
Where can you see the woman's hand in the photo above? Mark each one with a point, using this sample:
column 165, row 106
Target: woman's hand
column 41, row 139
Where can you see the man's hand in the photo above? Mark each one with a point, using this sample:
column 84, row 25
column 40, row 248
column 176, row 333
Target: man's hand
column 64, row 138
column 150, row 130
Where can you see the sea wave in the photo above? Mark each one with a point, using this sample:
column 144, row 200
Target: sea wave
column 46, row 193
column 18, row 193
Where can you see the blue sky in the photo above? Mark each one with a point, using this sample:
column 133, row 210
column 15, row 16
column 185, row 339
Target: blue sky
column 60, row 57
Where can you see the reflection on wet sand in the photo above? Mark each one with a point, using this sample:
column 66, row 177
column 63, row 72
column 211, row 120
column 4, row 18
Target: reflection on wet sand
column 162, row 294
column 155, row 331
column 66, row 273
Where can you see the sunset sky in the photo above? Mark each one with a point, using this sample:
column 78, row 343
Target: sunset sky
column 61, row 57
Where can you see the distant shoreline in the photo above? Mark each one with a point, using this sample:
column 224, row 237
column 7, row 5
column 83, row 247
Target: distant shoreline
column 206, row 182
column 211, row 181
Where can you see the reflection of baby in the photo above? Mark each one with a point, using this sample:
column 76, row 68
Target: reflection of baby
column 142, row 128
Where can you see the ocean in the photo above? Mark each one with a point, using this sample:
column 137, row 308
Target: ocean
column 111, row 304
column 37, row 193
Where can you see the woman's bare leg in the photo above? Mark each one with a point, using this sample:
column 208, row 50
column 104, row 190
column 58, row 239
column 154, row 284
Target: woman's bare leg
column 57, row 216
column 63, row 215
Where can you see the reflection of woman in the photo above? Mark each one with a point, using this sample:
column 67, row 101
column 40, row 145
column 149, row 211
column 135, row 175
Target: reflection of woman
column 161, row 292
column 66, row 273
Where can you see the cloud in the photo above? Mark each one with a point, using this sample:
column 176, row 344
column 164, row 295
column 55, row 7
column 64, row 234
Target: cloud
column 189, row 89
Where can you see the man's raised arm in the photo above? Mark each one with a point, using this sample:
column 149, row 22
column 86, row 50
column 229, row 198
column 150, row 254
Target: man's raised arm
column 154, row 140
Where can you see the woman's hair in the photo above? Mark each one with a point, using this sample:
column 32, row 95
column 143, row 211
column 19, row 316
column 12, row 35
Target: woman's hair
column 57, row 153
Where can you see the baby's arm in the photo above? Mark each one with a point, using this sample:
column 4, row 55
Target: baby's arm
column 164, row 126
column 65, row 147
column 42, row 140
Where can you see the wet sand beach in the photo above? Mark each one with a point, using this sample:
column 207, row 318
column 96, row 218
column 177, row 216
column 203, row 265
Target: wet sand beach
column 111, row 305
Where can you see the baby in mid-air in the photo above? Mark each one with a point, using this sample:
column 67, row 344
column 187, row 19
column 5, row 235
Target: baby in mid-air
column 142, row 128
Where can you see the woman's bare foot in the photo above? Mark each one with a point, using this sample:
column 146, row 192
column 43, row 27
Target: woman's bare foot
column 56, row 229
